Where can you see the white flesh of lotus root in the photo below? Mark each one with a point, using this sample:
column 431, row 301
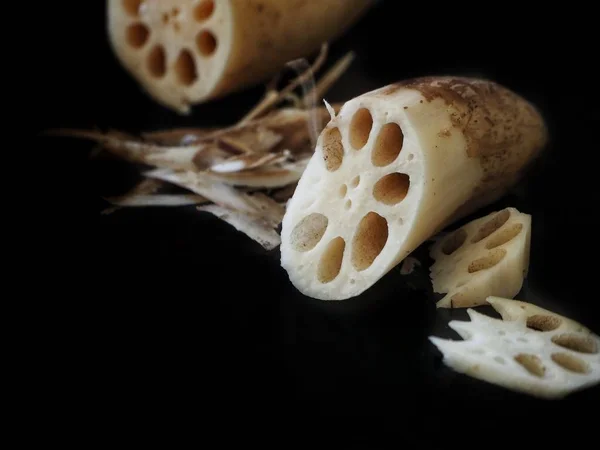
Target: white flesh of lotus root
column 393, row 168
column 532, row 350
column 185, row 52
column 486, row 257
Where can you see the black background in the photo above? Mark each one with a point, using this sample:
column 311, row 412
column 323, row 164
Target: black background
column 178, row 315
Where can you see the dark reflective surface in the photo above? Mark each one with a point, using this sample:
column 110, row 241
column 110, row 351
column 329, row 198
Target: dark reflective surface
column 179, row 312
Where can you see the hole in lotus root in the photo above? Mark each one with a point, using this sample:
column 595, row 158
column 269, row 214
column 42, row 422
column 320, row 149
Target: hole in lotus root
column 333, row 150
column 206, row 42
column 308, row 232
column 504, row 236
column 487, row 262
column 157, row 61
column 204, row 10
column 532, row 363
column 348, row 204
column 369, row 240
column 355, row 181
column 331, row 261
column 491, row 225
column 571, row 363
column 137, row 35
column 454, row 242
column 499, row 359
column 540, row 322
column 360, row 128
column 132, row 7
column 410, row 157
column 582, row 344
column 388, row 145
column 392, row 188
column 185, row 68
column 343, row 190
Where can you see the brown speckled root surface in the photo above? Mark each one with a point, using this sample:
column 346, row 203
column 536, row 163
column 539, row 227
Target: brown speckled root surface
column 503, row 132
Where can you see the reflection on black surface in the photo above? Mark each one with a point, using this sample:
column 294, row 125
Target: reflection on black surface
column 359, row 353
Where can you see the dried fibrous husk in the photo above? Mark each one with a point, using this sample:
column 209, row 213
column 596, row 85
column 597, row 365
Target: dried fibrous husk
column 188, row 52
column 146, row 193
column 252, row 226
column 267, row 177
column 247, row 171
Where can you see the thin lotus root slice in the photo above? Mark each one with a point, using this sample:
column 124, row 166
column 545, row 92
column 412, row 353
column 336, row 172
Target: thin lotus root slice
column 486, row 257
column 396, row 166
column 531, row 350
column 185, row 52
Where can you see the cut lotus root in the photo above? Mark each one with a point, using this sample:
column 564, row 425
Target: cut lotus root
column 486, row 257
column 185, row 52
column 396, row 166
column 531, row 350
